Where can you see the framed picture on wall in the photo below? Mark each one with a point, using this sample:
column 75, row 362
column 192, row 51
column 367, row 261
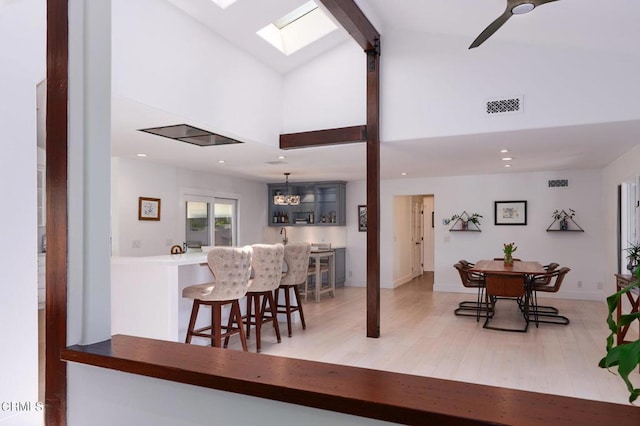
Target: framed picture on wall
column 510, row 212
column 148, row 208
column 362, row 218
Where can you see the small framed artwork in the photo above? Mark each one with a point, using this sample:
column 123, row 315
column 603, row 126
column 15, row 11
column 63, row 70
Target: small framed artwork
column 148, row 208
column 362, row 218
column 510, row 212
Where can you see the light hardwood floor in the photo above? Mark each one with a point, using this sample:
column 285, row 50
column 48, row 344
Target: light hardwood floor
column 421, row 336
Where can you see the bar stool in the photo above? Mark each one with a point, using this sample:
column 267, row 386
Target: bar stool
column 296, row 257
column 267, row 272
column 231, row 268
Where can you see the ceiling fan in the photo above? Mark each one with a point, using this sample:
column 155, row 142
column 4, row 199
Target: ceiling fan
column 514, row 7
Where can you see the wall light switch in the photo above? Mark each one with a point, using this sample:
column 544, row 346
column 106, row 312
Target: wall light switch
column 137, row 244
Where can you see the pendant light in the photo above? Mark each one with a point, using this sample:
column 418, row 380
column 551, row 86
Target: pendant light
column 286, row 199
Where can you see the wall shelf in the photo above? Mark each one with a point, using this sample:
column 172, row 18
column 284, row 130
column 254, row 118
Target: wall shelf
column 463, row 223
column 557, row 226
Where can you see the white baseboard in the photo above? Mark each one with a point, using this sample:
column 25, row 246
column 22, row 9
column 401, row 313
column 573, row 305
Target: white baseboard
column 597, row 296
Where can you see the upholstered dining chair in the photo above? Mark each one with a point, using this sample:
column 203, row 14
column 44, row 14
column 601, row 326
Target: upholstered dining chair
column 231, row 268
column 549, row 282
column 267, row 272
column 296, row 259
column 470, row 280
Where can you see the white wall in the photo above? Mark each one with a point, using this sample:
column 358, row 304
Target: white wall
column 22, row 53
column 328, row 92
column 442, row 89
column 402, row 254
column 132, row 178
column 583, row 252
column 105, row 397
column 170, row 61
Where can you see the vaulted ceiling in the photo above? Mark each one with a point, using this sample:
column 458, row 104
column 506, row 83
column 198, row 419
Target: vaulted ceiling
column 594, row 28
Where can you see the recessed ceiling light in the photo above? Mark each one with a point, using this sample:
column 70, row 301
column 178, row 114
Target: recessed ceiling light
column 281, row 157
column 141, row 155
column 403, row 173
column 504, row 151
column 507, row 165
column 221, row 161
column 507, row 158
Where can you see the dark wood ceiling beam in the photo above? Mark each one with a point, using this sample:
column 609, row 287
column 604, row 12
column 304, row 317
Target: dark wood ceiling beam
column 337, row 136
column 349, row 15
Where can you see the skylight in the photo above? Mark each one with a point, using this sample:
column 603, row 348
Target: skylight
column 224, row 3
column 298, row 29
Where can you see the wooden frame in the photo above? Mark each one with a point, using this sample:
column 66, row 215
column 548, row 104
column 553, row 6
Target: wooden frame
column 362, row 218
column 148, row 208
column 510, row 212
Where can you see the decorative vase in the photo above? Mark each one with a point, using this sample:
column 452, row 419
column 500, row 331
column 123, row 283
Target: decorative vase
column 564, row 225
column 508, row 259
column 463, row 225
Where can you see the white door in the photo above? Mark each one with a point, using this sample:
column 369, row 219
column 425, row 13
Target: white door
column 428, row 234
column 416, row 236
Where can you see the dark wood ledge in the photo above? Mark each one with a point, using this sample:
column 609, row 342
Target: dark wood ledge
column 382, row 395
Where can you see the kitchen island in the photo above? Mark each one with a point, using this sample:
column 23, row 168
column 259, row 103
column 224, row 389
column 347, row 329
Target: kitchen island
column 146, row 294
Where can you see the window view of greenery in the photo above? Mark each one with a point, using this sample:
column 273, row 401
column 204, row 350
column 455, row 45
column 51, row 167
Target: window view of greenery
column 223, row 224
column 198, row 224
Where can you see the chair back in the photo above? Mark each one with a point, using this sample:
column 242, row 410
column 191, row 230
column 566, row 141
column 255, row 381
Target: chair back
column 231, row 267
column 559, row 275
column 267, row 267
column 505, row 285
column 296, row 256
column 468, row 279
column 546, row 278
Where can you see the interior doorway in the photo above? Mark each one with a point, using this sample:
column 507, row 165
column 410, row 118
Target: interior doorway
column 413, row 237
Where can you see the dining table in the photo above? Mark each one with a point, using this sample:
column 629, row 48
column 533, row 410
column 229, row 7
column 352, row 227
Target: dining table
column 511, row 280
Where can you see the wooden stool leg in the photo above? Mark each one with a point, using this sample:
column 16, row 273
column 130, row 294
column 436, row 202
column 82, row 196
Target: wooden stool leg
column 274, row 314
column 235, row 312
column 216, row 327
column 229, row 327
column 287, row 302
column 258, row 317
column 296, row 292
column 192, row 320
column 249, row 297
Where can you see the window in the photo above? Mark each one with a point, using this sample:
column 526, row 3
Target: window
column 210, row 219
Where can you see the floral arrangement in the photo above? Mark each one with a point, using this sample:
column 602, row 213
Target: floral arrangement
column 508, row 250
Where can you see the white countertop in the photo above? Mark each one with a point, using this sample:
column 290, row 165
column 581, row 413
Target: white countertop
column 188, row 258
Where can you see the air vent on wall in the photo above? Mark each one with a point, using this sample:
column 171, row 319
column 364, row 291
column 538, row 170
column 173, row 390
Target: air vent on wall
column 557, row 183
column 501, row 106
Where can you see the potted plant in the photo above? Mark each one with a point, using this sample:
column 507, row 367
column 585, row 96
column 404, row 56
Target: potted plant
column 508, row 250
column 563, row 217
column 633, row 255
column 627, row 355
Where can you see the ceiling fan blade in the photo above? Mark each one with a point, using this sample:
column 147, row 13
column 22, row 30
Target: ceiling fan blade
column 492, row 28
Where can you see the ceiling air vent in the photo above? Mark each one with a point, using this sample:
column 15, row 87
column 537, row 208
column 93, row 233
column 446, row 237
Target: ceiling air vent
column 557, row 183
column 501, row 106
column 190, row 134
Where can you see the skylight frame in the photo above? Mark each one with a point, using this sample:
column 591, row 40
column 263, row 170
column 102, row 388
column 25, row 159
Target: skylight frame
column 298, row 28
column 295, row 14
